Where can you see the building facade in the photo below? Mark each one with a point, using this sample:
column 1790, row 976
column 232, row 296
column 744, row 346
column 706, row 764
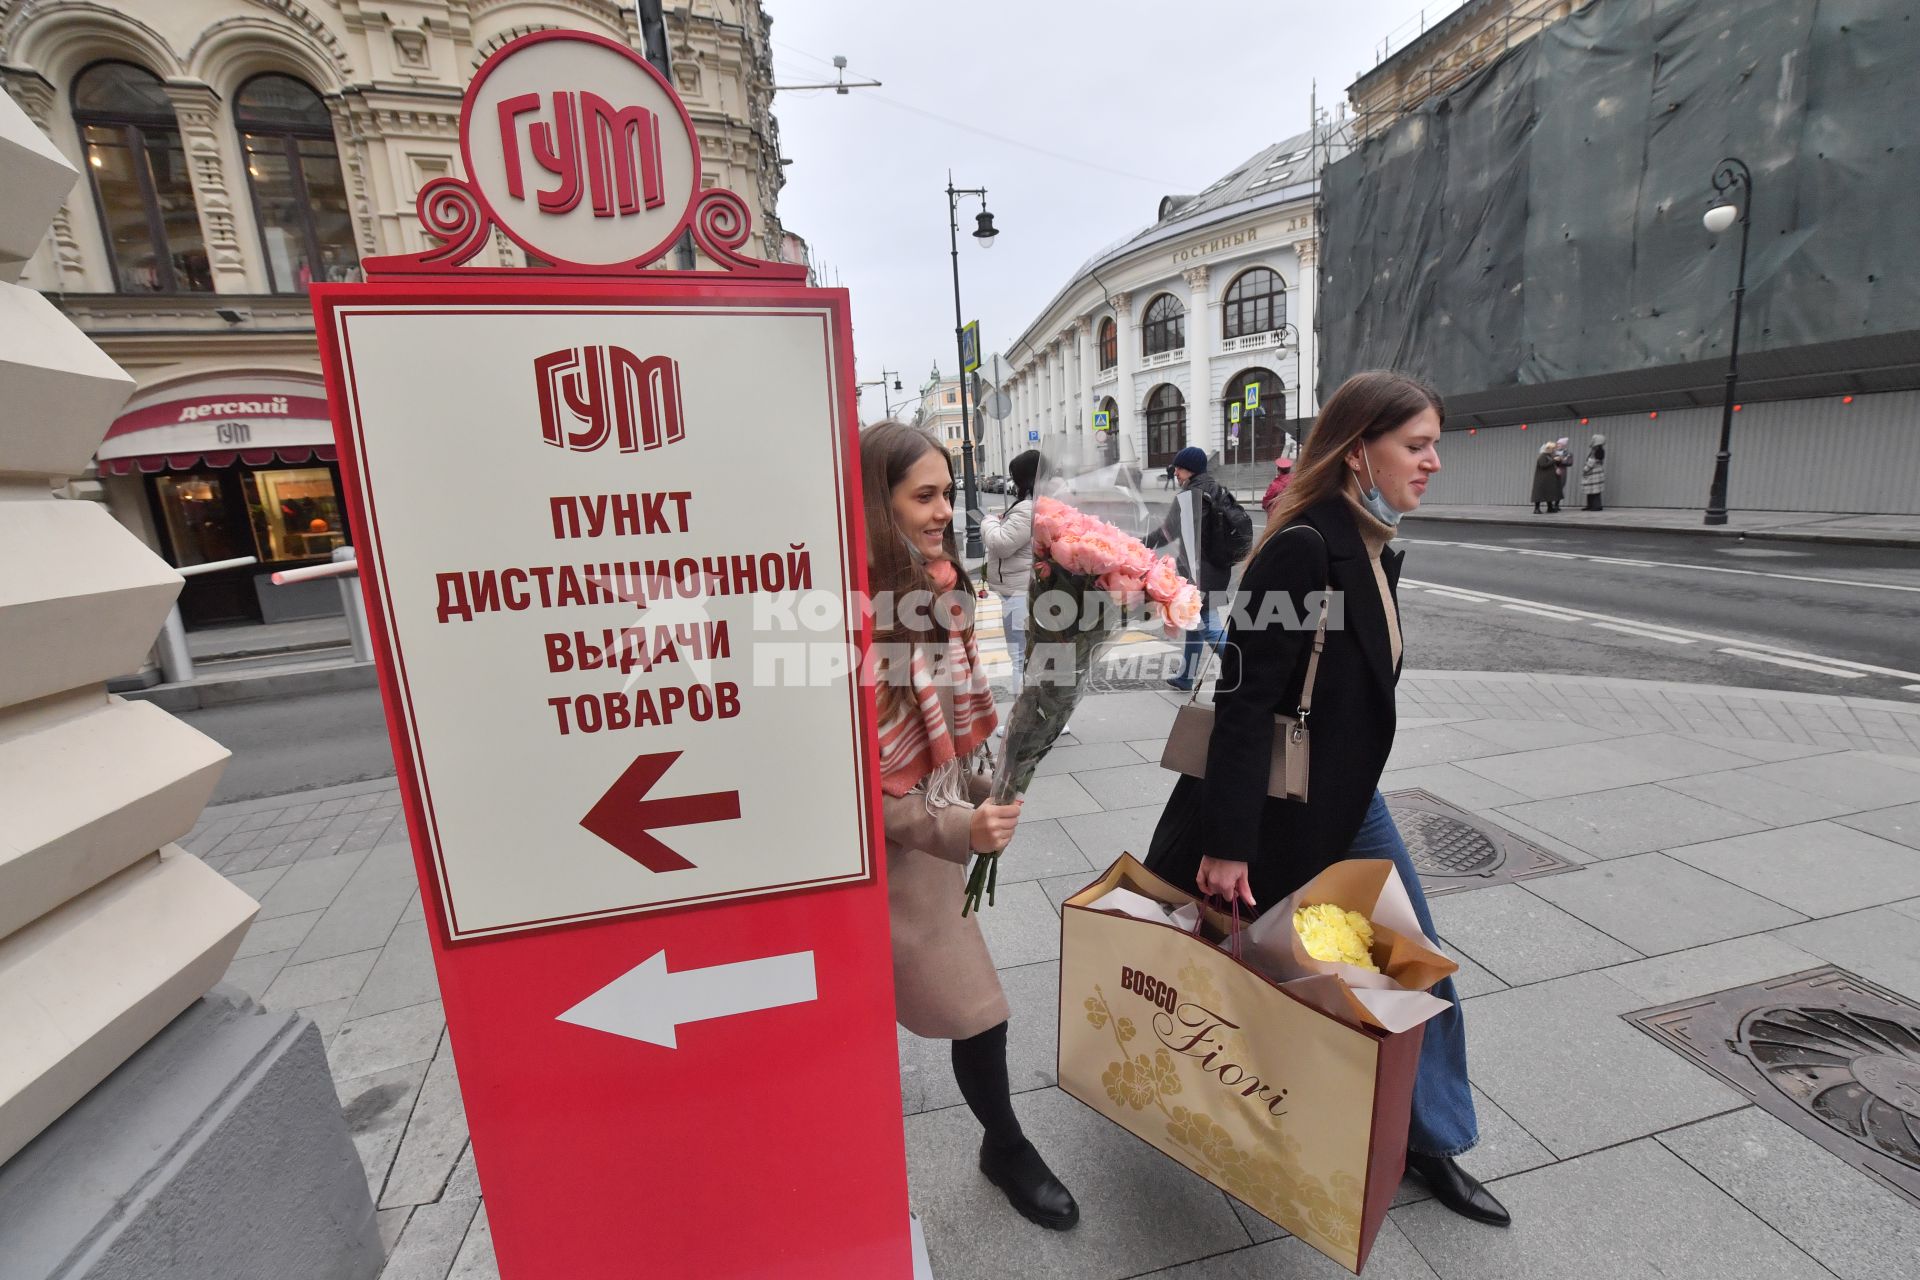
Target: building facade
column 939, row 412
column 235, row 151
column 1166, row 331
column 1444, row 55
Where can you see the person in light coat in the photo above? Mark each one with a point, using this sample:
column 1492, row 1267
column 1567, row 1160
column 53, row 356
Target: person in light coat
column 1008, row 538
column 936, row 712
column 1593, row 472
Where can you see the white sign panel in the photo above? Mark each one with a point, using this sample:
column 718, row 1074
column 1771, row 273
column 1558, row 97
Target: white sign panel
column 579, row 514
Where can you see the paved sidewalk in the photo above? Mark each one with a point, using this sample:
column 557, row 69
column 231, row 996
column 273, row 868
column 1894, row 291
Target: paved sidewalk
column 1712, row 838
column 1777, row 526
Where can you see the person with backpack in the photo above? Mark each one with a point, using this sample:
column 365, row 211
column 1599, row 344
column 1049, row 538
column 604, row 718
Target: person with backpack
column 1213, row 533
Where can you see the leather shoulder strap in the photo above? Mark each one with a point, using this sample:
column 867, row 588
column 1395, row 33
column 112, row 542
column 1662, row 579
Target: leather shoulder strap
column 1319, row 632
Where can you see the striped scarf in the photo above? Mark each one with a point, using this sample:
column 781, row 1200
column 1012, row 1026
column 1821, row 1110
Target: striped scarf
column 941, row 715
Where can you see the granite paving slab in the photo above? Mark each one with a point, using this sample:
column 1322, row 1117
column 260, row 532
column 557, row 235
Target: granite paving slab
column 298, row 985
column 1040, row 848
column 1900, row 824
column 1880, row 944
column 1440, row 744
column 1520, row 938
column 1103, row 837
column 1393, row 1258
column 1566, row 771
column 1773, row 803
column 1718, row 966
column 1818, row 869
column 1557, row 1057
column 1021, row 926
column 376, row 1108
column 404, row 975
column 1852, row 1225
column 1656, row 904
column 431, row 1241
column 1033, row 1043
column 1451, row 783
column 1128, row 786
column 435, row 1136
column 1638, row 819
column 1139, row 1211
column 1855, row 778
column 1058, row 796
column 1634, row 1211
column 1094, row 755
column 386, row 1040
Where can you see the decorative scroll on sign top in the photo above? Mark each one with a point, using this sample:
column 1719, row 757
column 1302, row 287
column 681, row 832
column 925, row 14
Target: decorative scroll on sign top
column 582, row 154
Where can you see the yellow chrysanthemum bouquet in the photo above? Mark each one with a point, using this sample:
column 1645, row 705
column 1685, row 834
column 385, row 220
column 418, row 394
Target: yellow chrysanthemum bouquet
column 1335, row 934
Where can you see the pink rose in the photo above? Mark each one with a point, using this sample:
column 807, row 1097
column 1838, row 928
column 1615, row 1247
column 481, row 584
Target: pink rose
column 1183, row 611
column 1122, row 586
column 1163, row 580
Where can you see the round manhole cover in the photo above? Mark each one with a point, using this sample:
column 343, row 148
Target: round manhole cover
column 1443, row 846
column 1857, row 1073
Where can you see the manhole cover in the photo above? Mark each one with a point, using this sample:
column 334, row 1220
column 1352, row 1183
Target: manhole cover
column 1455, row 851
column 1833, row 1055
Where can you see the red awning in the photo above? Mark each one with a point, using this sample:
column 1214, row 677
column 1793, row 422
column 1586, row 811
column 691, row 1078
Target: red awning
column 149, row 463
column 254, row 422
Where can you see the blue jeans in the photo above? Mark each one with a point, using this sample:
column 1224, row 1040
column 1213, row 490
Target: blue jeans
column 1208, row 632
column 1443, row 1119
column 1013, row 624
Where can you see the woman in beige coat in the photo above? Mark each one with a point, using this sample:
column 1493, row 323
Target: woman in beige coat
column 936, row 713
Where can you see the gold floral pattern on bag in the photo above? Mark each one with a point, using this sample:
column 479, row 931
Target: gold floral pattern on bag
column 1272, row 1181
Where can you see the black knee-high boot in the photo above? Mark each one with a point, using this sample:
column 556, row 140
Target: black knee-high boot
column 1006, row 1157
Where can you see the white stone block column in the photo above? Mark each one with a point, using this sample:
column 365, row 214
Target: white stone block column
column 107, row 929
column 1083, row 359
column 1303, row 303
column 1132, row 427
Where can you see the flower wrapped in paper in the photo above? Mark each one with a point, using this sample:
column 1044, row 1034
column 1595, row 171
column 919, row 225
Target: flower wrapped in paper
column 1088, row 579
column 1391, row 992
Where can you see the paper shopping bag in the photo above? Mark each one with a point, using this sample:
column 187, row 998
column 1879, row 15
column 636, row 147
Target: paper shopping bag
column 1296, row 1113
column 1394, row 999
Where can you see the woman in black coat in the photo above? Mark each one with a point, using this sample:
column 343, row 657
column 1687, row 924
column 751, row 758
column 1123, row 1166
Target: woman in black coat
column 1367, row 462
column 1546, row 480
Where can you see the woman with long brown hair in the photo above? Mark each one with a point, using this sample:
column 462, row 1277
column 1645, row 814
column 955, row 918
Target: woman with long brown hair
column 1366, row 463
column 936, row 713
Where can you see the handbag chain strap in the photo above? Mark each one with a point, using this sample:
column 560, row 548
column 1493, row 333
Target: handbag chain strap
column 1313, row 660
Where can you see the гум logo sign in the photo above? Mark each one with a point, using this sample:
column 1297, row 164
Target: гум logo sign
column 610, row 392
column 621, row 147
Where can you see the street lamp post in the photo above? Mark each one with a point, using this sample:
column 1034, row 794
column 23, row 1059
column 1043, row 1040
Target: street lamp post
column 983, row 232
column 881, row 382
column 1733, row 206
column 1287, row 326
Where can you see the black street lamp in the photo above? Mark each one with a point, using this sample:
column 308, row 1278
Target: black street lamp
column 983, row 233
column 881, row 382
column 1733, row 207
column 1287, row 326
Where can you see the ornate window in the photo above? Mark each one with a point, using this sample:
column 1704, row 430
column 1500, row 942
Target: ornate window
column 299, row 190
column 1263, row 430
column 140, row 180
column 1165, row 327
column 1256, row 302
column 1109, row 343
column 1166, row 424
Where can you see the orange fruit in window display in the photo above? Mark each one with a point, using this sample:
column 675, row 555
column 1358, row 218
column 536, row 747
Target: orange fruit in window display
column 317, row 525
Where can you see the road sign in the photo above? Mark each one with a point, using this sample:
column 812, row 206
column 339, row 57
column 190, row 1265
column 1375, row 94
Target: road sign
column 997, row 371
column 1253, row 395
column 996, row 404
column 592, row 697
column 1032, row 435
column 970, row 346
column 1102, row 420
column 1233, row 413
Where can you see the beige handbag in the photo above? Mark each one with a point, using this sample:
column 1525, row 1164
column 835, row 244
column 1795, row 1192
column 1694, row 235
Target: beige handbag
column 1186, row 749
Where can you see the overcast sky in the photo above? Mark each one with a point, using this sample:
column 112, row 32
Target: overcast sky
column 1075, row 116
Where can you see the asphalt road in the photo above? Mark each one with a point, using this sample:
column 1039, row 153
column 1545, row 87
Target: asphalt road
column 1801, row 616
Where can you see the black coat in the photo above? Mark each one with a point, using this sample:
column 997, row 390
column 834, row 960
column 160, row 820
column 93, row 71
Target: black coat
column 1228, row 814
column 1546, row 479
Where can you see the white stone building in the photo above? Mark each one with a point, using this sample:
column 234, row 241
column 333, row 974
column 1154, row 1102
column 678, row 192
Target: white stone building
column 236, row 150
column 1167, row 328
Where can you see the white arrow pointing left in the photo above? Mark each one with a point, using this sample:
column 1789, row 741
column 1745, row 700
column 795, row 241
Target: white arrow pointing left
column 648, row 1003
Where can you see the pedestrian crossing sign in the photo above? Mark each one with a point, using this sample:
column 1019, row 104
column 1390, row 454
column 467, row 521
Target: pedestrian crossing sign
column 1253, row 395
column 1102, row 420
column 1233, row 413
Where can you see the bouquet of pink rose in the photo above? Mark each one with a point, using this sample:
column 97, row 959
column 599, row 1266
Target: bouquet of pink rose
column 1087, row 576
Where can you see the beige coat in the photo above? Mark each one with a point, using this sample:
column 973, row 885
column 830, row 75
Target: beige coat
column 944, row 985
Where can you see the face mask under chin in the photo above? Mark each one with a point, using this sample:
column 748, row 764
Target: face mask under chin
column 1372, row 499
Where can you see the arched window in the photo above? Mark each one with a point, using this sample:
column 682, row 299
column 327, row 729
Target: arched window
column 1109, row 343
column 1256, row 302
column 1262, row 429
column 299, row 191
column 1166, row 424
column 1165, row 328
column 1110, row 441
column 140, row 180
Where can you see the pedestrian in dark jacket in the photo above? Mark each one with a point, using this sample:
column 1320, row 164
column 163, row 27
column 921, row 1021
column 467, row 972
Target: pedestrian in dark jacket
column 1593, row 473
column 1546, row 481
column 1278, row 486
column 1202, row 510
column 1366, row 463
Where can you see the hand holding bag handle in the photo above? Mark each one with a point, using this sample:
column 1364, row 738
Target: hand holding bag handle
column 1192, row 732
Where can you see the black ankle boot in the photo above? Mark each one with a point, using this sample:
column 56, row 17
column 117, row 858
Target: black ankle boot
column 1029, row 1185
column 1459, row 1190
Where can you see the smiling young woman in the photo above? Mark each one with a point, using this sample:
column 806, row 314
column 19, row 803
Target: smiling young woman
column 936, row 715
column 1367, row 462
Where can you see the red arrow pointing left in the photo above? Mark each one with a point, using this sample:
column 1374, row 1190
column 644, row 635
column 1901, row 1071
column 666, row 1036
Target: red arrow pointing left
column 625, row 818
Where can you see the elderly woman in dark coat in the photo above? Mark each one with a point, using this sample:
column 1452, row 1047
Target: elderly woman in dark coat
column 1546, row 480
